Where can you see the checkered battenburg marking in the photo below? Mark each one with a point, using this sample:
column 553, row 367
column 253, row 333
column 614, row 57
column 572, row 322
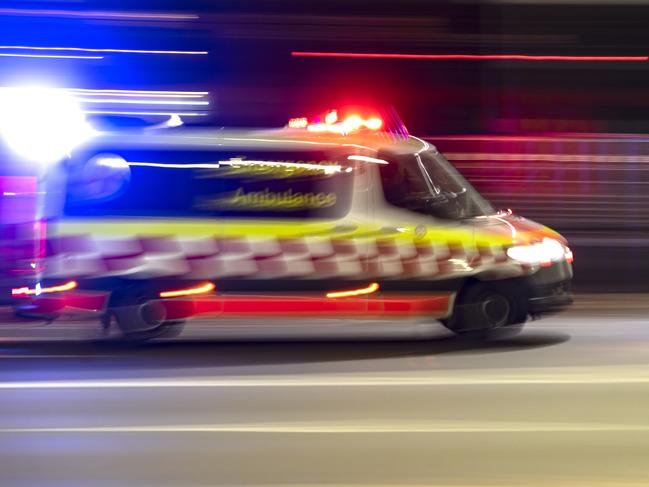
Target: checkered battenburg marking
column 307, row 257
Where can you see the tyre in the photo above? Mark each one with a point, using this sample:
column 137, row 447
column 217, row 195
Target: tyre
column 144, row 319
column 484, row 307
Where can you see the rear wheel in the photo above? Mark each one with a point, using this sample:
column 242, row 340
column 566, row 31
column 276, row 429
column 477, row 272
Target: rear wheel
column 484, row 307
column 141, row 318
column 166, row 329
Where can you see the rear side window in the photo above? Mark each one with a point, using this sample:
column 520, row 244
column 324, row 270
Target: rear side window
column 254, row 184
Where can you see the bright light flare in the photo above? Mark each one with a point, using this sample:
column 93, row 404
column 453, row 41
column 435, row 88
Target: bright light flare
column 331, row 117
column 351, row 123
column 298, row 123
column 374, row 123
column 569, row 256
column 544, row 253
column 372, row 288
column 202, row 289
column 41, row 124
column 26, row 291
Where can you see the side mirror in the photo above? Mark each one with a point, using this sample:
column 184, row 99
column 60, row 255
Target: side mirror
column 444, row 205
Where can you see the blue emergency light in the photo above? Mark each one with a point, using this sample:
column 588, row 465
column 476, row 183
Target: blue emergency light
column 41, row 125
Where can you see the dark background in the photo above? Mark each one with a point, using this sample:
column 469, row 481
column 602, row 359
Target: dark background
column 560, row 142
column 254, row 80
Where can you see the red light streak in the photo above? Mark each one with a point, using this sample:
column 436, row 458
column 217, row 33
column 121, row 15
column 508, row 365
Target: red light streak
column 484, row 57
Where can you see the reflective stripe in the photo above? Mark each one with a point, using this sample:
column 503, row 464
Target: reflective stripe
column 276, row 228
column 320, row 256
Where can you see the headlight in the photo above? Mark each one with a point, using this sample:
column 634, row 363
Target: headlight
column 544, row 253
column 41, row 124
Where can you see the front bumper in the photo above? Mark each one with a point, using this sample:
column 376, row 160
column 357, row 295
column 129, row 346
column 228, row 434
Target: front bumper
column 549, row 288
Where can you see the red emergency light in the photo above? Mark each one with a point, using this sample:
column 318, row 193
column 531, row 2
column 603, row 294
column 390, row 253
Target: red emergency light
column 333, row 124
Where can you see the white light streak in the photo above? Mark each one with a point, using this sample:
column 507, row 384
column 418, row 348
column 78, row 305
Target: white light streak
column 173, row 121
column 141, row 95
column 140, row 92
column 162, row 114
column 599, row 375
column 359, row 427
column 176, row 166
column 107, row 50
column 373, row 160
column 93, row 14
column 50, row 56
column 144, row 102
column 297, row 165
column 219, row 164
column 280, row 141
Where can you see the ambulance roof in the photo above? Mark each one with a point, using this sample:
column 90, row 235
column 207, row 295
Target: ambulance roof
column 184, row 138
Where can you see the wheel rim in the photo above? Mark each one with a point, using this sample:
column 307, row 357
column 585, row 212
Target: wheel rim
column 496, row 309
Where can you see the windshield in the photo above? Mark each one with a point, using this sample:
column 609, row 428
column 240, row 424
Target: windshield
column 428, row 183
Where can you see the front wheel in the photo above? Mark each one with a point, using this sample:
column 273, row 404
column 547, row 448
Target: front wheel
column 484, row 307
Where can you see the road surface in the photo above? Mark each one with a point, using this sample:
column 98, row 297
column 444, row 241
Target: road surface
column 564, row 403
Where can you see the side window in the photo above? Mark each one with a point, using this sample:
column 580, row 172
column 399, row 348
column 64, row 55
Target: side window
column 403, row 183
column 427, row 183
column 292, row 184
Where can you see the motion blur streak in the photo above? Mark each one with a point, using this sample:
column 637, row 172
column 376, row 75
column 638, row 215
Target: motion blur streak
column 145, row 102
column 50, row 56
column 550, row 137
column 175, row 166
column 87, row 49
column 90, row 14
column 495, row 57
column 358, row 427
column 373, row 160
column 355, row 292
column 166, row 114
column 192, row 94
column 128, row 95
column 489, row 156
column 602, row 375
column 289, row 165
column 205, row 288
column 25, row 291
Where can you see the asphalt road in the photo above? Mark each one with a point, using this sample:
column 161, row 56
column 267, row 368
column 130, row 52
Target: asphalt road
column 564, row 403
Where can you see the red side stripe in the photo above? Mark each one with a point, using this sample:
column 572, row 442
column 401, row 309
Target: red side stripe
column 242, row 306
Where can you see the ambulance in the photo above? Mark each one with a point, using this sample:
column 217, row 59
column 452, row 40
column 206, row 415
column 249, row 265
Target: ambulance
column 337, row 219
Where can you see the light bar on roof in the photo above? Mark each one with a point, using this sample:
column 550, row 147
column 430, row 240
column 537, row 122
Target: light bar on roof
column 334, row 125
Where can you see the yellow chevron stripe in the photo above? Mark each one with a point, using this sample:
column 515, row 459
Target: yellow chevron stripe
column 335, row 229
